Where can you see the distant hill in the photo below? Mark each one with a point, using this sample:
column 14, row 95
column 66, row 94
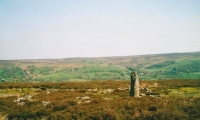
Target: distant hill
column 149, row 67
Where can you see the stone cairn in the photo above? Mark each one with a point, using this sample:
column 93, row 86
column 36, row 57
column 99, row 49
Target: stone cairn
column 134, row 91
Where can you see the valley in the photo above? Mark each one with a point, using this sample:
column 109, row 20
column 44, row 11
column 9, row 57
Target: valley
column 149, row 67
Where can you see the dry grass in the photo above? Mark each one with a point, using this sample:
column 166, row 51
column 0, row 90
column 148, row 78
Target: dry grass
column 64, row 101
column 3, row 117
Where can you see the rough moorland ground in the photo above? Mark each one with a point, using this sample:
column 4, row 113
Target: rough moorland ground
column 101, row 100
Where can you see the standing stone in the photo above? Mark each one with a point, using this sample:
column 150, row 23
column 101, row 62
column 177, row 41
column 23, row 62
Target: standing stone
column 134, row 85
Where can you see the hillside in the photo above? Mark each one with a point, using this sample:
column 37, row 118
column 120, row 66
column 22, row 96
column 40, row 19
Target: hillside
column 149, row 67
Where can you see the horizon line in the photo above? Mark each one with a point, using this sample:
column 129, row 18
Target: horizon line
column 96, row 57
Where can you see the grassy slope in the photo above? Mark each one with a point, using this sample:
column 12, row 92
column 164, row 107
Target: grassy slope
column 186, row 66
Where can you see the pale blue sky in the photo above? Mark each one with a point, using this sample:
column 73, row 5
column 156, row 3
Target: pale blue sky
column 31, row 29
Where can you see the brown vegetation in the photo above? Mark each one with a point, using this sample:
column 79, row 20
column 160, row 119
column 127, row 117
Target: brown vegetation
column 87, row 101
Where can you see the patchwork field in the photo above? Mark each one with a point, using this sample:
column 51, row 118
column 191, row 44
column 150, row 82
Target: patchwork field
column 150, row 67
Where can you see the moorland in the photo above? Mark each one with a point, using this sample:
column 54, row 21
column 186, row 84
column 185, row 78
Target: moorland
column 101, row 100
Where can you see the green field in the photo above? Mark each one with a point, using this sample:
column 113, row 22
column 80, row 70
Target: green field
column 149, row 67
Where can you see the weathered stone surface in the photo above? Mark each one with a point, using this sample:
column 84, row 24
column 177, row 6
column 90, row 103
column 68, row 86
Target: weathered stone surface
column 134, row 91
